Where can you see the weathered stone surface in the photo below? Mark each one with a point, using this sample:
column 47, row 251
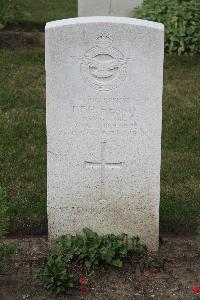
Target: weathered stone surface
column 121, row 8
column 104, row 115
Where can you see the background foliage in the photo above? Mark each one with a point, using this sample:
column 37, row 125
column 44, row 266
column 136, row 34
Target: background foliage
column 182, row 23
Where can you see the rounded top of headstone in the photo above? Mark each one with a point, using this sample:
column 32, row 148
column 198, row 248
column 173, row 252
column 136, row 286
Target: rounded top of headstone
column 105, row 19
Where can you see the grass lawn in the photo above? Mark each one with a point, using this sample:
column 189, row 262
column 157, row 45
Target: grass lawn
column 180, row 176
column 23, row 141
column 42, row 11
column 22, row 137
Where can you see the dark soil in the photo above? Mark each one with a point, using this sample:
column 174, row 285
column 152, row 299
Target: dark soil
column 25, row 26
column 12, row 40
column 176, row 271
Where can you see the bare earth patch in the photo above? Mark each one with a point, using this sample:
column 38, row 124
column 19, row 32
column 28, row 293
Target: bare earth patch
column 176, row 271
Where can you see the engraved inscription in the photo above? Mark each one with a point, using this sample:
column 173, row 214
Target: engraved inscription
column 103, row 165
column 107, row 117
column 104, row 67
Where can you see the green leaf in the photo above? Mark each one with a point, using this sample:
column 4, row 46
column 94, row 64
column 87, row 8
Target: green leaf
column 89, row 233
column 88, row 264
column 181, row 20
column 117, row 263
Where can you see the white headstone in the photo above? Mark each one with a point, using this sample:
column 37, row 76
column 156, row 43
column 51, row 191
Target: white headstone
column 104, row 114
column 121, row 8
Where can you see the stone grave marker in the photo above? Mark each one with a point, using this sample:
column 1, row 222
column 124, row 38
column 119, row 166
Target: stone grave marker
column 121, row 8
column 104, row 113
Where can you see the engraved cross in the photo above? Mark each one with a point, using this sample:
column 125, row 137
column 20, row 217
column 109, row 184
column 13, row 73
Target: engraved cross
column 103, row 165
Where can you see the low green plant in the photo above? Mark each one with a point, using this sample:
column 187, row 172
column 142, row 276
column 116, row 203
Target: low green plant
column 56, row 275
column 136, row 245
column 182, row 23
column 5, row 250
column 148, row 262
column 87, row 250
column 90, row 249
column 113, row 249
column 9, row 12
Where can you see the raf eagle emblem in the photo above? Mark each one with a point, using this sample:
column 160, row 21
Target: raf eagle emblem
column 104, row 67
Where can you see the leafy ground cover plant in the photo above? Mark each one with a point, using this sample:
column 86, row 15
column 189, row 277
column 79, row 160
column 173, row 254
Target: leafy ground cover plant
column 84, row 252
column 182, row 23
column 5, row 250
